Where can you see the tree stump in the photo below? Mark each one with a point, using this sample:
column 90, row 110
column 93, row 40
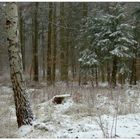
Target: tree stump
column 58, row 99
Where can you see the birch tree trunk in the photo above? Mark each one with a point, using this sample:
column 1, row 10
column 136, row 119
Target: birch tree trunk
column 23, row 110
column 22, row 37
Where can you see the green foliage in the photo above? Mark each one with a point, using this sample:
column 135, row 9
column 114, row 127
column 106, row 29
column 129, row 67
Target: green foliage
column 105, row 35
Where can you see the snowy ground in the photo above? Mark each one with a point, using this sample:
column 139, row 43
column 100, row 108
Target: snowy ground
column 60, row 125
column 103, row 115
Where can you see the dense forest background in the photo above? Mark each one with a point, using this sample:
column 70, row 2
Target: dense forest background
column 77, row 41
column 81, row 62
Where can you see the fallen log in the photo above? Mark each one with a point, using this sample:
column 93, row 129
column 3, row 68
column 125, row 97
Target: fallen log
column 58, row 99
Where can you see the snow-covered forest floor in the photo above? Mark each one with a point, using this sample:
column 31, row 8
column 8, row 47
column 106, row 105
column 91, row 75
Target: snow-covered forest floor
column 88, row 112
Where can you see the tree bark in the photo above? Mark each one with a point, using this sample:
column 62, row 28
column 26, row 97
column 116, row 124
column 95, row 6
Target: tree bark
column 114, row 72
column 54, row 39
column 23, row 109
column 102, row 73
column 43, row 53
column 49, row 49
column 85, row 9
column 121, row 79
column 108, row 74
column 84, row 14
column 22, row 38
column 35, row 43
column 133, row 78
column 73, row 63
column 63, row 47
column 96, row 76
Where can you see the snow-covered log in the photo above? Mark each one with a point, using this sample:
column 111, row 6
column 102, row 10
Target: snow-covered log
column 58, row 99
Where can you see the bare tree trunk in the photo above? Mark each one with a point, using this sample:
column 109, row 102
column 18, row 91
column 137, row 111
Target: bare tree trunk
column 121, row 79
column 63, row 47
column 84, row 14
column 35, row 43
column 62, row 53
column 133, row 79
column 23, row 110
column 85, row 9
column 79, row 75
column 108, row 73
column 43, row 53
column 103, row 73
column 114, row 72
column 22, row 38
column 73, row 63
column 67, row 57
column 96, row 76
column 49, row 49
column 54, row 37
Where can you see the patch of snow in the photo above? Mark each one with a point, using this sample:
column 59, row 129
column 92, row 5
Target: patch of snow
column 24, row 130
column 132, row 93
column 127, row 127
column 63, row 107
column 62, row 95
column 5, row 89
column 30, row 90
column 105, row 84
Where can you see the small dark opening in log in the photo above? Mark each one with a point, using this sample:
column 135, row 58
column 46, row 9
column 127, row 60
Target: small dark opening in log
column 58, row 100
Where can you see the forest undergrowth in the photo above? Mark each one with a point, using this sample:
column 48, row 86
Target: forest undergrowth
column 87, row 101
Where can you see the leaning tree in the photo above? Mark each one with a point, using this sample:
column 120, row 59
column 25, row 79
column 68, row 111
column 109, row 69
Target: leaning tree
column 23, row 109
